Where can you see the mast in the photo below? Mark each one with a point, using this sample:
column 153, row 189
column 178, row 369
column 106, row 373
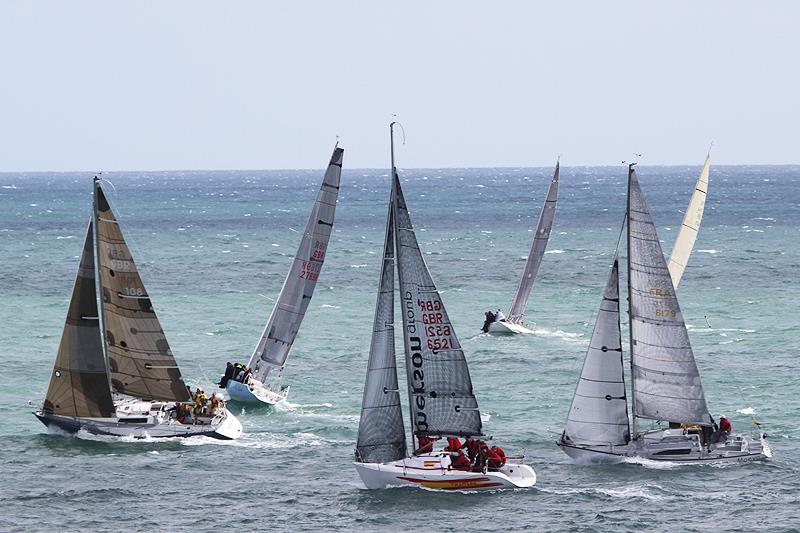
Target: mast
column 634, row 423
column 101, row 309
column 393, row 209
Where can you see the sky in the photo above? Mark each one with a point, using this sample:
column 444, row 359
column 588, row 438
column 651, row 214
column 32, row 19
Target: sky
column 153, row 85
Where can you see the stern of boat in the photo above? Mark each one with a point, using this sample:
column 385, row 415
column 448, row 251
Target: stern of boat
column 229, row 428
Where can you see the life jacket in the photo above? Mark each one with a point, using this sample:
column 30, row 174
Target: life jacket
column 461, row 462
column 501, row 454
column 453, row 444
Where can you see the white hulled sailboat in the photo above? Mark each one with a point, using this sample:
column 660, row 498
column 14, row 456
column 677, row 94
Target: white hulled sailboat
column 263, row 384
column 441, row 399
column 119, row 347
column 512, row 324
column 666, row 385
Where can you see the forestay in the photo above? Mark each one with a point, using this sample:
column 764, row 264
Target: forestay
column 666, row 382
column 687, row 235
column 287, row 315
column 79, row 385
column 439, row 385
column 599, row 411
column 381, row 434
column 536, row 253
column 139, row 358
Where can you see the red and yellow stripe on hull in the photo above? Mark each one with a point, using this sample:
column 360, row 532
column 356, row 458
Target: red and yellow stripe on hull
column 454, row 484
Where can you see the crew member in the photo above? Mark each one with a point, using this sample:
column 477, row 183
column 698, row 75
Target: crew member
column 453, row 444
column 499, row 316
column 461, row 461
column 473, row 448
column 488, row 319
column 724, row 429
column 501, row 454
column 425, row 445
column 227, row 376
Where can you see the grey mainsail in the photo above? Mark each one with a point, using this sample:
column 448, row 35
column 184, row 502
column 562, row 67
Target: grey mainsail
column 139, row 358
column 538, row 246
column 276, row 340
column 79, row 385
column 381, row 434
column 439, row 385
column 599, row 411
column 665, row 380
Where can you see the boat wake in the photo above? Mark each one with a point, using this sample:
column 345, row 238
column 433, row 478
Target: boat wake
column 647, row 492
column 650, row 463
column 560, row 334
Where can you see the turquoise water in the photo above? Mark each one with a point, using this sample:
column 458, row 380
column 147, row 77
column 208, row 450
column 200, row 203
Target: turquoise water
column 213, row 249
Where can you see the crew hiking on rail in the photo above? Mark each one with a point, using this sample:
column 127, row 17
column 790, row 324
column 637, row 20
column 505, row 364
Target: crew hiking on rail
column 236, row 372
column 473, row 455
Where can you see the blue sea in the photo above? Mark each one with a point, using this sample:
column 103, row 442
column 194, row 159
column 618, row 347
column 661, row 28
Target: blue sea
column 213, row 248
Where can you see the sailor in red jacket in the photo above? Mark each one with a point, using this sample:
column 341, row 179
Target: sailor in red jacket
column 461, row 462
column 473, row 448
column 453, row 444
column 723, row 430
column 493, row 460
column 500, row 453
column 425, row 445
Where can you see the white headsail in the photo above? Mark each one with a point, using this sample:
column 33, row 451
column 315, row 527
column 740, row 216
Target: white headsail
column 439, row 385
column 599, row 411
column 287, row 315
column 139, row 357
column 381, row 434
column 684, row 242
column 665, row 379
column 536, row 253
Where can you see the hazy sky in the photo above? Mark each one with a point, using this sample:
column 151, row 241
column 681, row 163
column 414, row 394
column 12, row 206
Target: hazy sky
column 254, row 85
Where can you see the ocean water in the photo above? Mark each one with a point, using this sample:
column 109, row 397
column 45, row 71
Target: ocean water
column 213, row 249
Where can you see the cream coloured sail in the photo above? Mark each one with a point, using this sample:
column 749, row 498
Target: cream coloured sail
column 381, row 434
column 684, row 242
column 79, row 385
column 439, row 385
column 599, row 411
column 538, row 246
column 281, row 329
column 665, row 379
column 139, row 357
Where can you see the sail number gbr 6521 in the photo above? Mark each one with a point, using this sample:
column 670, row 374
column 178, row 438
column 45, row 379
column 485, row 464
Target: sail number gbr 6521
column 437, row 331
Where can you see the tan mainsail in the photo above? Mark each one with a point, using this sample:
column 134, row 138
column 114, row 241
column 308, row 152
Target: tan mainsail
column 139, row 357
column 691, row 225
column 79, row 384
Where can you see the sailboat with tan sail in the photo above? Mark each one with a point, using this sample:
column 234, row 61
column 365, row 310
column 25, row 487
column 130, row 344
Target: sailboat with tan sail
column 113, row 344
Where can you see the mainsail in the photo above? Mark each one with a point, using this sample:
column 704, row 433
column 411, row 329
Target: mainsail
column 287, row 315
column 439, row 385
column 139, row 357
column 536, row 253
column 691, row 225
column 381, row 435
column 599, row 411
column 665, row 380
column 79, row 385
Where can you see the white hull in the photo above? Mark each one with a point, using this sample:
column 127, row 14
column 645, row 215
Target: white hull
column 507, row 328
column 255, row 393
column 433, row 472
column 672, row 446
column 141, row 420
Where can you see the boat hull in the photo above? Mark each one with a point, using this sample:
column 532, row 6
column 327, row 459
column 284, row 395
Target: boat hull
column 672, row 446
column 153, row 424
column 507, row 328
column 433, row 472
column 255, row 393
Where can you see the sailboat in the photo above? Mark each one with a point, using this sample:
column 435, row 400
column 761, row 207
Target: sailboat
column 687, row 235
column 512, row 324
column 272, row 350
column 118, row 347
column 441, row 399
column 666, row 385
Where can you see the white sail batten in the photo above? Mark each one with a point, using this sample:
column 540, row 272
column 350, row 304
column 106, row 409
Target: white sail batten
column 538, row 246
column 687, row 235
column 599, row 411
column 284, row 322
column 440, row 388
column 381, row 434
column 665, row 379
